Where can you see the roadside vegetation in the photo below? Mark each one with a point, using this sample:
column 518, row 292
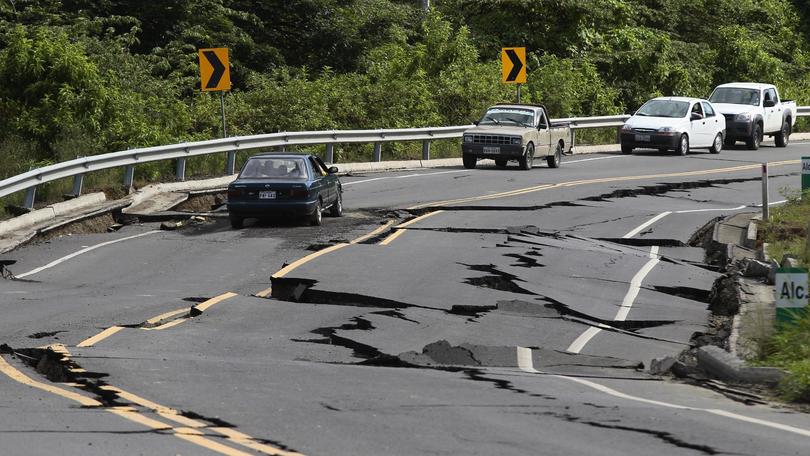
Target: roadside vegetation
column 789, row 346
column 82, row 77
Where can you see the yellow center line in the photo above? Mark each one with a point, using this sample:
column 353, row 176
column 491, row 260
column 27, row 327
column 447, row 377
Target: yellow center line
column 174, row 415
column 166, row 315
column 295, row 264
column 19, row 377
column 400, row 228
column 202, row 307
column 374, row 233
column 264, row 293
column 89, row 342
column 576, row 183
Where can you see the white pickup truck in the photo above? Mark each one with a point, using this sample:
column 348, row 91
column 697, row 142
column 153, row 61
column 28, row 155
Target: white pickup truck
column 752, row 111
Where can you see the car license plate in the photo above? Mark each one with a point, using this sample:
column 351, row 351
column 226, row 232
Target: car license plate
column 643, row 138
column 492, row 150
column 267, row 195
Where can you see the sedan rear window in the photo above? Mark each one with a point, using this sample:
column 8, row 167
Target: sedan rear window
column 664, row 108
column 280, row 168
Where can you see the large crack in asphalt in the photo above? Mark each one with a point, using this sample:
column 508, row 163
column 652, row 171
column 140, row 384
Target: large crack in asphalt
column 59, row 368
column 664, row 436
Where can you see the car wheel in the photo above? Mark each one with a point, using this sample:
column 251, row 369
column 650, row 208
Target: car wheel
column 317, row 217
column 755, row 139
column 717, row 145
column 627, row 150
column 469, row 161
column 783, row 137
column 337, row 207
column 555, row 160
column 236, row 222
column 500, row 162
column 526, row 161
column 683, row 145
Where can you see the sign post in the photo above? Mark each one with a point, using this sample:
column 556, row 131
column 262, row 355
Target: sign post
column 791, row 293
column 513, row 67
column 215, row 76
column 805, row 174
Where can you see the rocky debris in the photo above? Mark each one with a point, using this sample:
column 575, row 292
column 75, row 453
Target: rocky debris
column 725, row 366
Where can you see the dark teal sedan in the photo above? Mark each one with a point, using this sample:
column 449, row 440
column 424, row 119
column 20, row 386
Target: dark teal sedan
column 284, row 185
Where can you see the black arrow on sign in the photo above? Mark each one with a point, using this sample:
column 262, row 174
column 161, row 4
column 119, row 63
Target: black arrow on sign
column 517, row 65
column 219, row 69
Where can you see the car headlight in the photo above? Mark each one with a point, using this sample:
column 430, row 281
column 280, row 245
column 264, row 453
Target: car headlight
column 666, row 129
column 468, row 138
column 516, row 140
column 743, row 117
column 627, row 127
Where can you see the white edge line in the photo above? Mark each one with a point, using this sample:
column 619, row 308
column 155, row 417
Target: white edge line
column 525, row 363
column 596, row 158
column 81, row 252
column 405, row 176
column 710, row 210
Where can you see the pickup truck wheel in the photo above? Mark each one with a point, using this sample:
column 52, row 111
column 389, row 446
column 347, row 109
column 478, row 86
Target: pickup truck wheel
column 501, row 162
column 756, row 137
column 554, row 160
column 527, row 160
column 683, row 145
column 469, row 161
column 627, row 150
column 783, row 137
column 717, row 145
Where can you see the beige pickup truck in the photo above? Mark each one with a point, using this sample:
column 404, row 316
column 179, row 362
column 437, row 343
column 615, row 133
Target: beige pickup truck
column 518, row 132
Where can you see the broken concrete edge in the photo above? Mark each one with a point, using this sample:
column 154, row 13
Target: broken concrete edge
column 39, row 216
column 727, row 367
column 748, row 278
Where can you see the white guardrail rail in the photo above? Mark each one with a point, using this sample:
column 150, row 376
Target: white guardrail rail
column 130, row 158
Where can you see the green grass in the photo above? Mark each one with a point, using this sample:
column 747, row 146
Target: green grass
column 789, row 346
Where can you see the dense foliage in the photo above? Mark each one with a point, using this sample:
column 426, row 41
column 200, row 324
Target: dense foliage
column 81, row 77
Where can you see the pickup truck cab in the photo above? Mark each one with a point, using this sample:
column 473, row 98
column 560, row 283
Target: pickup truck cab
column 753, row 110
column 518, row 132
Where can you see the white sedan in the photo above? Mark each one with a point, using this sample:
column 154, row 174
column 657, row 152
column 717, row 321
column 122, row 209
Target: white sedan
column 674, row 123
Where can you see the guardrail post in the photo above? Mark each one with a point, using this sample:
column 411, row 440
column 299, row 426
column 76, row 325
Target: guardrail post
column 426, row 149
column 573, row 140
column 230, row 166
column 30, row 194
column 78, row 181
column 377, row 151
column 330, row 153
column 619, row 135
column 129, row 177
column 765, row 202
column 181, row 169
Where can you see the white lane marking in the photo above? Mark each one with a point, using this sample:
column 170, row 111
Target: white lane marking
column 597, row 158
column 649, row 222
column 525, row 363
column 635, row 285
column 627, row 303
column 404, row 177
column 710, row 210
column 771, row 204
column 81, row 252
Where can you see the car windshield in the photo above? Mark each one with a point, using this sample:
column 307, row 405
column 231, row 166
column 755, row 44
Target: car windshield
column 734, row 95
column 663, row 108
column 280, row 168
column 512, row 116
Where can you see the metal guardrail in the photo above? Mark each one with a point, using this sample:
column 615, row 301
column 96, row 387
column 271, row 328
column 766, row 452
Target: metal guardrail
column 130, row 158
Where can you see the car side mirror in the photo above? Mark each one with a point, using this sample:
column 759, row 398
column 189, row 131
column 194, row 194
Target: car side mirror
column 333, row 170
column 697, row 116
column 542, row 127
column 475, row 122
column 630, row 113
column 769, row 103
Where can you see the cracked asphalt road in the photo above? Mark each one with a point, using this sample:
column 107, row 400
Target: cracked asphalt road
column 518, row 320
